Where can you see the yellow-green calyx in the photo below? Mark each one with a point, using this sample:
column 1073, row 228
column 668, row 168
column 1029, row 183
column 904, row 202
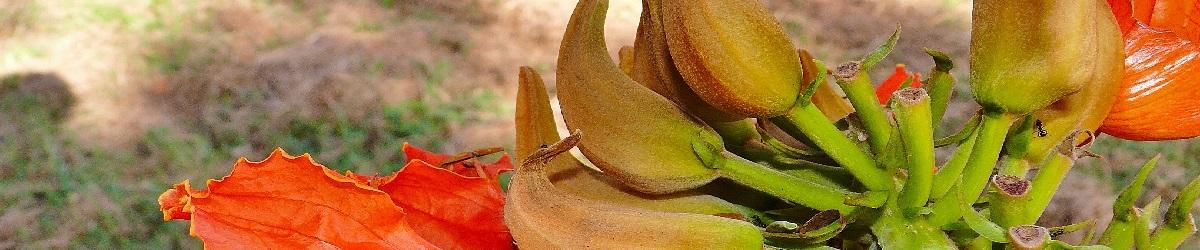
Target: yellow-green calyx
column 1027, row 54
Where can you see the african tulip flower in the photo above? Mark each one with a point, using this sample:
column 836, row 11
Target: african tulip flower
column 1159, row 99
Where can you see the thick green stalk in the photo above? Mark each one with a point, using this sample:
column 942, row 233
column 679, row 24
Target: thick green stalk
column 1045, row 184
column 1172, row 238
column 1009, row 201
column 988, row 143
column 893, row 231
column 1014, row 165
column 940, row 84
column 952, row 170
column 983, row 158
column 833, row 177
column 779, row 184
column 914, row 116
column 1120, row 233
column 810, row 122
column 1016, row 146
column 1179, row 213
column 857, row 86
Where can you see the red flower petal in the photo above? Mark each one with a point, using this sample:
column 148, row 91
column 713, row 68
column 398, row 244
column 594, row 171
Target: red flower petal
column 891, row 84
column 916, row 80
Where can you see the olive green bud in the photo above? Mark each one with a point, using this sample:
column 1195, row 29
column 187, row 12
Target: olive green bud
column 1027, row 54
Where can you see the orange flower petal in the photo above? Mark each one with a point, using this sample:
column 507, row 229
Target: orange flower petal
column 173, row 202
column 1123, row 10
column 287, row 202
column 1179, row 16
column 449, row 209
column 1160, row 98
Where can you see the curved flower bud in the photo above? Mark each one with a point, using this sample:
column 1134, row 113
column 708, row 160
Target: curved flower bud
column 535, row 127
column 1082, row 111
column 734, row 55
column 653, row 67
column 541, row 216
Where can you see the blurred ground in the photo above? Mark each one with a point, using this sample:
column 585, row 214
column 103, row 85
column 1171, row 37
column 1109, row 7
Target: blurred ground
column 105, row 103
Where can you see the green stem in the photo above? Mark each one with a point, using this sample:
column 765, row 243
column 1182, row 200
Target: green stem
column 1179, row 223
column 962, row 134
column 862, row 96
column 1016, row 146
column 1145, row 223
column 1120, row 231
column 1171, row 237
column 784, row 186
column 811, row 122
column 1009, row 201
column 1179, row 214
column 941, row 89
column 951, row 172
column 893, row 231
column 1045, row 184
column 743, row 138
column 985, row 153
column 914, row 116
column 975, row 175
column 940, row 84
column 833, row 177
column 1015, row 165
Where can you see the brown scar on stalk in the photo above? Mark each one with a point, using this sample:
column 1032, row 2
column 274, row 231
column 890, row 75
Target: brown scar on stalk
column 1011, row 185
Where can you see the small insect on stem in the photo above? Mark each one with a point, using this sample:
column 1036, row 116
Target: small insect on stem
column 1039, row 129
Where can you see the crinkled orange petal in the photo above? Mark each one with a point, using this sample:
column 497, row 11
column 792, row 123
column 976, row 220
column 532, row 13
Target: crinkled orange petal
column 1160, row 98
column 891, row 84
column 174, row 201
column 287, row 202
column 448, row 209
column 370, row 180
column 492, row 170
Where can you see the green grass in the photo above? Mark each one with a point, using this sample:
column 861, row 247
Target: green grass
column 106, row 197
